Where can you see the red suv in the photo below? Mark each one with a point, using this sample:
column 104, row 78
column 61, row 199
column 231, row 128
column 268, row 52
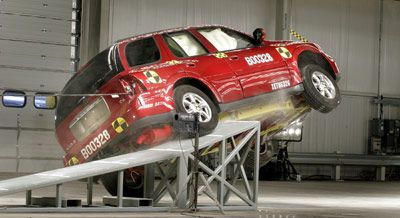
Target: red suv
column 135, row 86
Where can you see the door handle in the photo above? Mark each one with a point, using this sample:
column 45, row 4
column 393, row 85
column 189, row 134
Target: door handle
column 190, row 65
column 233, row 58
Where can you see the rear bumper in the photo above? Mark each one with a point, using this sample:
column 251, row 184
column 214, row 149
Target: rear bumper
column 123, row 142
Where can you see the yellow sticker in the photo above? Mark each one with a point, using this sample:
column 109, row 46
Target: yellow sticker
column 220, row 55
column 152, row 77
column 173, row 62
column 120, row 125
column 284, row 52
column 73, row 161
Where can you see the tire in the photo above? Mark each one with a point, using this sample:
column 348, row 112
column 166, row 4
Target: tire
column 265, row 157
column 186, row 95
column 320, row 89
column 110, row 183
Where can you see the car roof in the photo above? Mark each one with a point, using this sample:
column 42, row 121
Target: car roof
column 145, row 35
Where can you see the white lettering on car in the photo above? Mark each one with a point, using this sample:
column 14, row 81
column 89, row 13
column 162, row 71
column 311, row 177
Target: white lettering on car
column 95, row 144
column 280, row 85
column 259, row 59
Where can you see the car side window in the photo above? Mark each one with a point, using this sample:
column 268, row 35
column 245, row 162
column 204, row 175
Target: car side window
column 225, row 39
column 183, row 44
column 142, row 51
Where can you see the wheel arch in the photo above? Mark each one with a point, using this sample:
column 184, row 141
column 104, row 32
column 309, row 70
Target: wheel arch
column 201, row 86
column 307, row 57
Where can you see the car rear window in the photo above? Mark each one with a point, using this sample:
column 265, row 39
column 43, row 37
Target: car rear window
column 142, row 51
column 90, row 78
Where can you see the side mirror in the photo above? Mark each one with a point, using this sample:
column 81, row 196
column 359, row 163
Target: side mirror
column 44, row 101
column 14, row 99
column 259, row 35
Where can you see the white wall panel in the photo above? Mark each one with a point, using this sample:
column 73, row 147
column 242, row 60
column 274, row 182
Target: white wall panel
column 8, row 165
column 36, row 29
column 34, row 166
column 28, row 117
column 128, row 18
column 34, row 49
column 348, row 31
column 391, row 49
column 35, row 55
column 49, row 8
column 32, row 79
column 41, row 151
column 37, row 138
column 8, row 140
column 37, row 61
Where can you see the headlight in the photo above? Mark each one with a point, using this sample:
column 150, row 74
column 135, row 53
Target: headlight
column 293, row 132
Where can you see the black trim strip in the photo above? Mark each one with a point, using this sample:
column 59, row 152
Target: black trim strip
column 295, row 90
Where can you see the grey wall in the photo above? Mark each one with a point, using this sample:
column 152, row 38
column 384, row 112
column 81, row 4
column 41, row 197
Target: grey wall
column 36, row 52
column 124, row 18
column 349, row 31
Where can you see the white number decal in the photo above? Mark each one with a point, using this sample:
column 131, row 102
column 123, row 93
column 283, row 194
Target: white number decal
column 258, row 59
column 280, row 85
column 101, row 138
column 96, row 143
column 106, row 135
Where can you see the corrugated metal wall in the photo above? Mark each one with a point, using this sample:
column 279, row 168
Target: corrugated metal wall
column 349, row 31
column 124, row 18
column 37, row 49
column 391, row 49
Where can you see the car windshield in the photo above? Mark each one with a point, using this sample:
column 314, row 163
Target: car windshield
column 89, row 79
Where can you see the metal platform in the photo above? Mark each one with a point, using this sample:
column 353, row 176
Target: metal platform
column 339, row 160
column 172, row 150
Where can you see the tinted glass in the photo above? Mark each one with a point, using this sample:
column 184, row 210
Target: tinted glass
column 226, row 39
column 142, row 51
column 43, row 101
column 90, row 78
column 183, row 44
column 14, row 99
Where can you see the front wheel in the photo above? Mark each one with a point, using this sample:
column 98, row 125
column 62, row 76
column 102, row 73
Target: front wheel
column 320, row 89
column 189, row 99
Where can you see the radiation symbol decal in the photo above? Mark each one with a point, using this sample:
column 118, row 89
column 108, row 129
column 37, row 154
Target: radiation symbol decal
column 152, row 77
column 220, row 55
column 284, row 52
column 119, row 125
column 73, row 161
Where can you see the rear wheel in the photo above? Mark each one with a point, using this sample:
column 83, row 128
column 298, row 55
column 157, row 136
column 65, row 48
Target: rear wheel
column 320, row 89
column 189, row 99
column 133, row 182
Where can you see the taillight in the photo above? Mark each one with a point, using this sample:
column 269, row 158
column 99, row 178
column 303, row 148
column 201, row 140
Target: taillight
column 153, row 136
column 132, row 85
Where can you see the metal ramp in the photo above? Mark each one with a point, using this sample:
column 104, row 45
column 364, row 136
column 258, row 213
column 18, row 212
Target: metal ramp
column 180, row 152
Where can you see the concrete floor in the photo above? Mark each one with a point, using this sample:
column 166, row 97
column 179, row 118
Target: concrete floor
column 276, row 200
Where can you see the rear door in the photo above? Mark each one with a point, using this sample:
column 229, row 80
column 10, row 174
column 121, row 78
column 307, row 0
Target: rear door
column 257, row 68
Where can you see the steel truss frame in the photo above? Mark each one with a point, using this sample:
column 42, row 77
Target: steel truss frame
column 224, row 134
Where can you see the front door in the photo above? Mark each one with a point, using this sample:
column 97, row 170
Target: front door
column 258, row 68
